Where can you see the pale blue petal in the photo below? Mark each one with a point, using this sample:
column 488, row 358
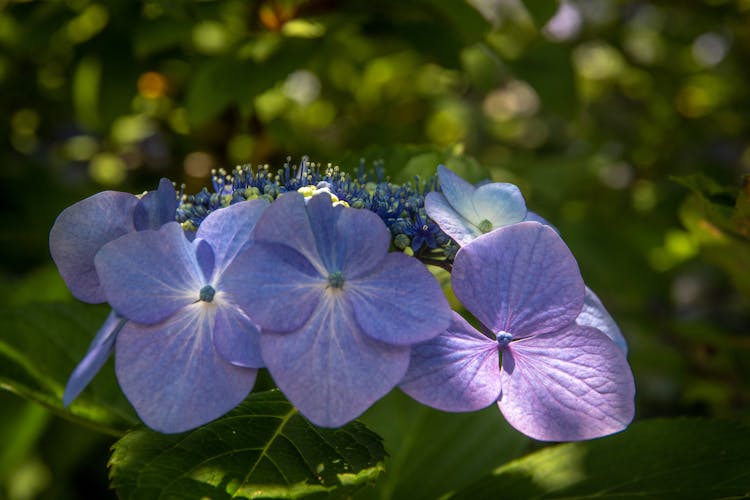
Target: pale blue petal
column 329, row 369
column 287, row 222
column 500, row 203
column 172, row 374
column 520, row 279
column 229, row 230
column 236, row 337
column 567, row 386
column 459, row 370
column 362, row 241
column 449, row 221
column 99, row 351
column 595, row 315
column 400, row 302
column 148, row 275
column 80, row 231
column 276, row 286
column 459, row 193
column 156, row 208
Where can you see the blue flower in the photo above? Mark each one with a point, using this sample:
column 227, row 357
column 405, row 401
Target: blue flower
column 465, row 212
column 337, row 312
column 560, row 380
column 79, row 232
column 188, row 353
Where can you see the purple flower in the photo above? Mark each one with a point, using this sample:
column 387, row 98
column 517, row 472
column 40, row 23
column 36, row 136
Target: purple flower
column 559, row 380
column 337, row 312
column 189, row 353
column 79, row 232
column 465, row 212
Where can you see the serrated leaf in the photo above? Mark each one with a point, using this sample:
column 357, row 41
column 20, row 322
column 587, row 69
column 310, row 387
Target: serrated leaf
column 40, row 344
column 262, row 449
column 664, row 459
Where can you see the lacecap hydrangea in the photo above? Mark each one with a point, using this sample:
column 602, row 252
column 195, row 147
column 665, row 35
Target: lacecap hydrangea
column 322, row 278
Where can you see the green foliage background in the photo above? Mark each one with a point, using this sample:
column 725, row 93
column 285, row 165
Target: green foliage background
column 630, row 132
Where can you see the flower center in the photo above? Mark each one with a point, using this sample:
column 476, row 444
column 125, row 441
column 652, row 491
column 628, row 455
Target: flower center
column 336, row 279
column 207, row 293
column 485, row 226
column 503, row 339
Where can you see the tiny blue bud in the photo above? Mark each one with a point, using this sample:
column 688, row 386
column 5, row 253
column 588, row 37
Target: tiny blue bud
column 503, row 339
column 207, row 293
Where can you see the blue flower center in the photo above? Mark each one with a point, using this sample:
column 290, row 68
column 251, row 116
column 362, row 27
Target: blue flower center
column 503, row 339
column 485, row 226
column 336, row 279
column 207, row 293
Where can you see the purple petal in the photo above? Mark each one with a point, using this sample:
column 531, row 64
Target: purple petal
column 156, row 208
column 500, row 203
column 148, row 275
column 567, row 386
column 98, row 353
column 287, row 222
column 276, row 286
column 458, row 192
column 399, row 303
column 595, row 315
column 459, row 370
column 329, row 369
column 535, row 217
column 452, row 224
column 237, row 338
column 229, row 230
column 80, row 231
column 519, row 279
column 361, row 241
column 172, row 374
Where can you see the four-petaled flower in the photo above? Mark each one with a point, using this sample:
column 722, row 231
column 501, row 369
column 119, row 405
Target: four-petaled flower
column 337, row 312
column 189, row 353
column 559, row 380
column 465, row 212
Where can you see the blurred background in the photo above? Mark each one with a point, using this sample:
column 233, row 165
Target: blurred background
column 625, row 123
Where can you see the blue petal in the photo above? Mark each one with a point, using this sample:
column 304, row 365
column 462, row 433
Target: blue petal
column 276, row 286
column 322, row 219
column 535, row 217
column 567, row 386
column 500, row 203
column 520, row 279
column 459, row 370
column 452, row 224
column 148, row 275
column 156, row 208
column 80, row 231
column 287, row 222
column 400, row 302
column 101, row 347
column 595, row 315
column 458, row 192
column 172, row 374
column 236, row 337
column 229, row 231
column 329, row 369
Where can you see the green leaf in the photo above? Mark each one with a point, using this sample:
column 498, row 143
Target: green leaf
column 434, row 452
column 263, row 448
column 664, row 459
column 40, row 344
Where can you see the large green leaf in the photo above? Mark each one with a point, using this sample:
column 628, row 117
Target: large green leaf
column 433, row 452
column 40, row 344
column 262, row 449
column 657, row 459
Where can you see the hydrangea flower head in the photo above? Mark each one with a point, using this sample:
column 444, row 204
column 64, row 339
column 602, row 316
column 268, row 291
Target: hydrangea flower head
column 559, row 380
column 337, row 312
column 188, row 353
column 465, row 212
